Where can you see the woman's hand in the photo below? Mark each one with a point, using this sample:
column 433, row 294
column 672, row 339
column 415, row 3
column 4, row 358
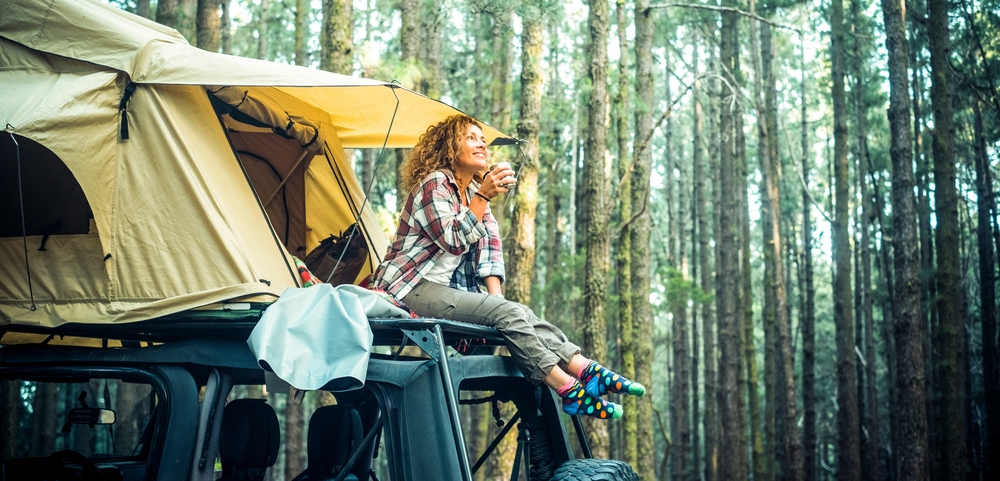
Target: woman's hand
column 497, row 181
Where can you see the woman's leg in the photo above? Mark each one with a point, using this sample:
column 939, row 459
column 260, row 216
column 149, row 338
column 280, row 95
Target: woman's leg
column 527, row 346
column 600, row 380
column 537, row 352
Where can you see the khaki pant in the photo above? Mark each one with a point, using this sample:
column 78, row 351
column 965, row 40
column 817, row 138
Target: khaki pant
column 535, row 344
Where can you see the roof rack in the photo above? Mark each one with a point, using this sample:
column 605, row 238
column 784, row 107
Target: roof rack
column 237, row 325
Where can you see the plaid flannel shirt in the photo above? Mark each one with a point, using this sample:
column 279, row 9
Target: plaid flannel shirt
column 435, row 220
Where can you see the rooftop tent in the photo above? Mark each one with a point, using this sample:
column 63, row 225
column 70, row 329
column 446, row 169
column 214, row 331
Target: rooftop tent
column 145, row 191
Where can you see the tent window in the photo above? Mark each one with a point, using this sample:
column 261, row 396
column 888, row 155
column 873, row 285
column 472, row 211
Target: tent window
column 54, row 202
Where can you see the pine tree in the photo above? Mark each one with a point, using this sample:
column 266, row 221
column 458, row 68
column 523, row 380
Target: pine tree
column 639, row 229
column 911, row 422
column 595, row 212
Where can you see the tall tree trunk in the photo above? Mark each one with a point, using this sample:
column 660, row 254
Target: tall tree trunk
column 848, row 451
column 791, row 462
column 623, row 253
column 642, row 315
column 911, row 421
column 807, row 318
column 951, row 376
column 987, row 297
column 302, row 8
column 553, row 199
column 409, row 45
column 262, row 29
column 868, row 400
column 168, row 13
column 731, row 393
column 926, row 235
column 208, row 22
column 500, row 87
column 709, row 325
column 337, row 37
column 697, row 250
column 765, row 448
column 595, row 211
column 888, row 309
column 226, row 29
column 521, row 244
column 431, row 23
column 142, row 9
column 680, row 450
column 294, row 436
column 479, row 42
column 10, row 412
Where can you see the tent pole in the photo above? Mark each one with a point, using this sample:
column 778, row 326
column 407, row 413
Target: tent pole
column 288, row 176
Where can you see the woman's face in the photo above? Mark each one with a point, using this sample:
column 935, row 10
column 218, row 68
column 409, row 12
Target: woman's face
column 472, row 156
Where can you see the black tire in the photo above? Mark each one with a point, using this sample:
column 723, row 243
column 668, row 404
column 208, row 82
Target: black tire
column 595, row 470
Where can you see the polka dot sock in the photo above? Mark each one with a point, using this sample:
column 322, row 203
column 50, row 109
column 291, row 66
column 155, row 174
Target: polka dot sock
column 600, row 380
column 576, row 401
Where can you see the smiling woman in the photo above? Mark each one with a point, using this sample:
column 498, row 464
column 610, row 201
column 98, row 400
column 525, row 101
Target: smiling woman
column 447, row 250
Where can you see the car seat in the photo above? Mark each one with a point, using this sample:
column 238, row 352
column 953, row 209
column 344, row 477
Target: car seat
column 334, row 433
column 249, row 440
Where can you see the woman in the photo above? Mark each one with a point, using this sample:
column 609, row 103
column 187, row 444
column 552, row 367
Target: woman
column 447, row 245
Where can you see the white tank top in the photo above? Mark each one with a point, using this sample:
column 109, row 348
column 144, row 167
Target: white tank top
column 443, row 269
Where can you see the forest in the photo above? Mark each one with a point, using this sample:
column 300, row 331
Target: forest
column 780, row 216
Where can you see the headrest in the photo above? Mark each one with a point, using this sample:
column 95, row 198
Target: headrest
column 334, row 433
column 250, row 435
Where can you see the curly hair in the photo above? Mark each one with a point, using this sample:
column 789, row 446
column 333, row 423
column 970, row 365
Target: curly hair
column 438, row 148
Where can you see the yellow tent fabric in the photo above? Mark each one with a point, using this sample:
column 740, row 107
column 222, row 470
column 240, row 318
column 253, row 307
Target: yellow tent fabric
column 152, row 53
column 177, row 215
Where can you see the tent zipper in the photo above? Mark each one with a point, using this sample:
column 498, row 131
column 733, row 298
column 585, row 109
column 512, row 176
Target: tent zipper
column 129, row 90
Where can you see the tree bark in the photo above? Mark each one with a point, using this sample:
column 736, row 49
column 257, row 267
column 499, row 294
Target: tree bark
column 867, row 394
column 680, row 410
column 168, row 13
column 911, row 422
column 785, row 406
column 336, row 37
column 142, row 9
column 987, row 297
column 807, row 317
column 521, row 243
column 10, row 409
column 595, row 211
column 848, row 450
column 926, row 234
column 731, row 393
column 262, row 29
column 500, row 87
column 639, row 229
column 711, row 427
column 431, row 23
column 951, row 375
column 553, row 198
column 765, row 448
column 208, row 22
column 301, row 32
column 294, row 437
column 225, row 28
column 697, row 252
column 623, row 252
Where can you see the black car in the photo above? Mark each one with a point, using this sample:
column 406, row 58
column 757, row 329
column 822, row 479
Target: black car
column 163, row 407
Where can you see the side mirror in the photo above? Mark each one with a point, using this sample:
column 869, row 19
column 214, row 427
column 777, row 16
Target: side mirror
column 91, row 416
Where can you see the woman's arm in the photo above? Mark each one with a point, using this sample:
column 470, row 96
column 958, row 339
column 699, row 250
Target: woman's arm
column 493, row 286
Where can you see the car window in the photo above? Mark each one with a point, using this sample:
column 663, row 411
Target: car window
column 40, row 414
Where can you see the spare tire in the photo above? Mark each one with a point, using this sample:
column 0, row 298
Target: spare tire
column 595, row 470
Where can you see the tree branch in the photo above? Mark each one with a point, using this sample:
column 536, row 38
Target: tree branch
column 805, row 188
column 726, row 9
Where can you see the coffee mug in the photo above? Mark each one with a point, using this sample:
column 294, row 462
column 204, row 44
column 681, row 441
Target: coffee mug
column 508, row 181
